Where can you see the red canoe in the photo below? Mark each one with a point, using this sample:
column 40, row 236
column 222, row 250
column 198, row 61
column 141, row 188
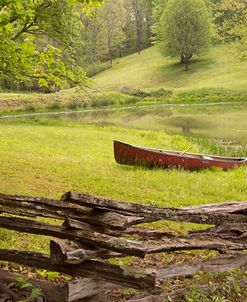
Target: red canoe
column 154, row 158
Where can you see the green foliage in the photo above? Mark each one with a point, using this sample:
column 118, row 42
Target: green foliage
column 24, row 56
column 210, row 95
column 230, row 19
column 104, row 32
column 184, row 29
column 96, row 68
column 22, row 283
column 158, row 9
column 151, row 93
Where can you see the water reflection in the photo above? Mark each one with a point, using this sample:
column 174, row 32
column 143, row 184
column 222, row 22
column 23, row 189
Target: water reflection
column 226, row 122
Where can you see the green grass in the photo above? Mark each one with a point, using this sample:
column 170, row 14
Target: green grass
column 215, row 76
column 215, row 69
column 51, row 157
column 48, row 158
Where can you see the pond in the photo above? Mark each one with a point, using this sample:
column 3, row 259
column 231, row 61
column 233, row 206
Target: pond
column 222, row 122
column 226, row 123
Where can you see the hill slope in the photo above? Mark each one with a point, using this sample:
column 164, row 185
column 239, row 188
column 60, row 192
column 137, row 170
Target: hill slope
column 217, row 68
column 222, row 77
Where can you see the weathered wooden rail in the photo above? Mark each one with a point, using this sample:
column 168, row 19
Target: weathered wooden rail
column 95, row 229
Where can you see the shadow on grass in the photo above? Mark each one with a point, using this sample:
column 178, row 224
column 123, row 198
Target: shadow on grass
column 175, row 69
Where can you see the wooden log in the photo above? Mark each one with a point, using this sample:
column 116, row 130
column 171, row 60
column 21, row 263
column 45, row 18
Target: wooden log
column 134, row 232
column 200, row 240
column 86, row 288
column 8, row 292
column 44, row 207
column 227, row 208
column 65, row 292
column 231, row 212
column 216, row 265
column 126, row 276
column 87, row 235
column 50, row 291
column 62, row 252
column 129, row 208
column 202, row 243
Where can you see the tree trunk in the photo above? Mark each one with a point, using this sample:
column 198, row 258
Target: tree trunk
column 109, row 48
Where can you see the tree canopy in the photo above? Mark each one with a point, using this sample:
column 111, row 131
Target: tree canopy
column 30, row 40
column 184, row 29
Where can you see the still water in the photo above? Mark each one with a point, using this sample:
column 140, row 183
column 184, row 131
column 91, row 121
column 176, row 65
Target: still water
column 227, row 123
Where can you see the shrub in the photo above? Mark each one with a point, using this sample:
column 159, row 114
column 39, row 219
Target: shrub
column 94, row 69
column 161, row 92
column 54, row 106
column 210, row 95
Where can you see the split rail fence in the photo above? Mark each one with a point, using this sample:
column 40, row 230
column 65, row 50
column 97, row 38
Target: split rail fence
column 96, row 229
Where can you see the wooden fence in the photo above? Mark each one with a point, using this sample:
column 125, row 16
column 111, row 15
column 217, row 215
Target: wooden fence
column 96, row 229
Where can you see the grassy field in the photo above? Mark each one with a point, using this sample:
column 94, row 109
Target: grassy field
column 48, row 158
column 51, row 157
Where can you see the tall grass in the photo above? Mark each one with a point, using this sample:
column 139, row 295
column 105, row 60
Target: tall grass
column 218, row 147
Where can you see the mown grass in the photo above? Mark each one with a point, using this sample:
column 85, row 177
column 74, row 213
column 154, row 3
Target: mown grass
column 48, row 158
column 218, row 68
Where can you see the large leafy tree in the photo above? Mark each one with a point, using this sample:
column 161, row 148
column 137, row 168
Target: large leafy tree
column 33, row 37
column 184, row 29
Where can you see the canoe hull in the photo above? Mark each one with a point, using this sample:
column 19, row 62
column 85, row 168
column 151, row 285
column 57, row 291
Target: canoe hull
column 132, row 155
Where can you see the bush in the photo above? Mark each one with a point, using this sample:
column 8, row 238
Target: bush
column 72, row 105
column 158, row 93
column 134, row 92
column 210, row 95
column 30, row 107
column 94, row 69
column 54, row 106
column 113, row 98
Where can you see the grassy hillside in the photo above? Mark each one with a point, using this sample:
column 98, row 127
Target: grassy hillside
column 147, row 78
column 217, row 68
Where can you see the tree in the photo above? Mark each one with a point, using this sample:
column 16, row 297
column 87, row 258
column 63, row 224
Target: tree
column 27, row 30
column 113, row 15
column 230, row 18
column 184, row 29
column 158, row 9
column 140, row 14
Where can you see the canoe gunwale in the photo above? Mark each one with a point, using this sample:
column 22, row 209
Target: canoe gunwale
column 194, row 156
